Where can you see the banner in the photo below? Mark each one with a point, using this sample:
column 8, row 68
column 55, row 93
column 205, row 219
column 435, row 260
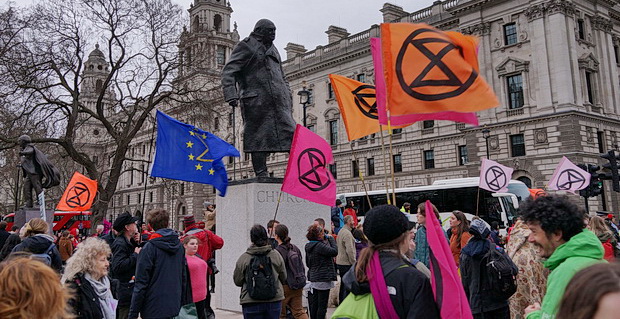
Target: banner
column 358, row 106
column 307, row 173
column 445, row 280
column 430, row 71
column 494, row 177
column 375, row 48
column 184, row 152
column 79, row 194
column 569, row 177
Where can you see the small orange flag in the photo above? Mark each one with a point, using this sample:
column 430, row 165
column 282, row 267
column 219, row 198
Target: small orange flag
column 429, row 71
column 79, row 194
column 358, row 106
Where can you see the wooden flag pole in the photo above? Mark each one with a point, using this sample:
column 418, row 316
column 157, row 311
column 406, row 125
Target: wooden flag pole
column 361, row 176
column 277, row 205
column 391, row 159
column 387, row 184
column 477, row 200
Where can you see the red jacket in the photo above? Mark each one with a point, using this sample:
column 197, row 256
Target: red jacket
column 208, row 242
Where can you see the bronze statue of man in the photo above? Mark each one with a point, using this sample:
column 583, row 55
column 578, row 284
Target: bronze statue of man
column 264, row 94
column 38, row 171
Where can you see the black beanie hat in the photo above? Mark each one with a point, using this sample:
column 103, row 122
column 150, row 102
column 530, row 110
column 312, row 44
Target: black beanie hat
column 384, row 223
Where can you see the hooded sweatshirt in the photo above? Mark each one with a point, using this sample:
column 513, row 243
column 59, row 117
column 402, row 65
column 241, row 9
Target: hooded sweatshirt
column 581, row 251
column 161, row 286
column 278, row 269
column 38, row 244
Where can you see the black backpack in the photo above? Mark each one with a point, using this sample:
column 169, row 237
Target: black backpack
column 296, row 268
column 46, row 256
column 501, row 273
column 259, row 279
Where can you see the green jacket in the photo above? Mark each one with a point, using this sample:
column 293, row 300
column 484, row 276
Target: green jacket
column 279, row 272
column 581, row 251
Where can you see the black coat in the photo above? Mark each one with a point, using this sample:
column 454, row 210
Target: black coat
column 123, row 268
column 38, row 244
column 320, row 260
column 474, row 280
column 3, row 236
column 265, row 96
column 162, row 280
column 413, row 296
column 85, row 303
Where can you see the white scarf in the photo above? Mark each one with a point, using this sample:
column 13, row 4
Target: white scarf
column 106, row 301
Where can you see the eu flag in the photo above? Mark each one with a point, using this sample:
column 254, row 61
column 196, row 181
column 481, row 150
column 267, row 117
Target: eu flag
column 187, row 153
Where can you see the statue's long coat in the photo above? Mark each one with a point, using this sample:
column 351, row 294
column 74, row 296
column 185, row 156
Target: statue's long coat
column 264, row 95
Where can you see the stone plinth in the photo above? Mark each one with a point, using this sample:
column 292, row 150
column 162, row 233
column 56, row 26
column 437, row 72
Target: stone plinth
column 250, row 202
column 23, row 215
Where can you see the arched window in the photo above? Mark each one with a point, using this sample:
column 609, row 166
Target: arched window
column 526, row 180
column 196, row 24
column 217, row 22
column 98, row 85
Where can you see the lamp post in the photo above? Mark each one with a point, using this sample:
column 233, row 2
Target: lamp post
column 304, row 99
column 486, row 133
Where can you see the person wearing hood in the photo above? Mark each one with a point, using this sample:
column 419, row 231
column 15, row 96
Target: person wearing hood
column 557, row 227
column 38, row 242
column 162, row 285
column 410, row 292
column 483, row 303
column 253, row 308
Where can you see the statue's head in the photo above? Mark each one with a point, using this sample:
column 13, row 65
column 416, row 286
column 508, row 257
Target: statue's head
column 266, row 29
column 24, row 140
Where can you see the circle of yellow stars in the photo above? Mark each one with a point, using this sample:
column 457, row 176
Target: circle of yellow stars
column 191, row 157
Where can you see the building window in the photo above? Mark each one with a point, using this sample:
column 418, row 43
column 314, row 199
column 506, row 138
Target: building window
column 333, row 170
column 217, row 22
column 310, row 97
column 139, row 198
column 216, row 123
column 462, row 154
column 517, row 145
column 361, row 77
column 355, row 166
column 395, row 131
column 330, row 91
column 312, row 128
column 526, row 180
column 370, row 163
column 616, row 54
column 98, row 86
column 333, row 132
column 131, row 177
column 230, row 120
column 510, row 33
column 220, row 55
column 182, row 192
column 428, row 124
column 589, row 88
column 246, row 156
column 600, row 138
column 515, row 91
column 429, row 159
column 398, row 163
column 231, row 160
column 142, row 173
column 581, row 32
column 150, row 197
column 128, row 199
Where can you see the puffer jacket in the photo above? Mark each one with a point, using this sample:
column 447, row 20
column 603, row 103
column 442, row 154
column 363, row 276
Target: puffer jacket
column 38, row 244
column 320, row 260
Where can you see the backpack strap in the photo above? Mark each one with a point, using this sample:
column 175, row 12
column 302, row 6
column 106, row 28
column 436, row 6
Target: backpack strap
column 378, row 288
column 50, row 248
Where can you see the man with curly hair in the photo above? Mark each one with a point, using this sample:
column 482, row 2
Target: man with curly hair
column 558, row 229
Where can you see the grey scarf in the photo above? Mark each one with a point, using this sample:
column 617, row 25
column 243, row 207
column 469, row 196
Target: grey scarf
column 106, row 301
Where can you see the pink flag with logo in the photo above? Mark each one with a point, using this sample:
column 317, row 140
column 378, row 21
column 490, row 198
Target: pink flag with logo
column 307, row 173
column 569, row 177
column 445, row 280
column 375, row 49
column 494, row 177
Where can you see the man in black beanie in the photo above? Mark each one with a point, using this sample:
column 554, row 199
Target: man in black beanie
column 410, row 290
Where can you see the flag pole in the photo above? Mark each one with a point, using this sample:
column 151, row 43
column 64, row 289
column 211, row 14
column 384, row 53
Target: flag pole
column 477, row 200
column 146, row 181
column 391, row 158
column 387, row 184
column 234, row 125
column 361, row 175
column 277, row 205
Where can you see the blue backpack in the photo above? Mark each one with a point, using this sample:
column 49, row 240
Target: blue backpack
column 46, row 256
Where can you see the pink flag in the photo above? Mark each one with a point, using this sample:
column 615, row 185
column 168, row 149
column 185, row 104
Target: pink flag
column 375, row 48
column 494, row 177
column 445, row 281
column 307, row 173
column 569, row 177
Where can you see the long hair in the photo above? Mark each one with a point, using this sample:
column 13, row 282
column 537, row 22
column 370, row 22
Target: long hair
column 35, row 226
column 84, row 258
column 366, row 255
column 463, row 227
column 587, row 288
column 282, row 232
column 598, row 227
column 30, row 289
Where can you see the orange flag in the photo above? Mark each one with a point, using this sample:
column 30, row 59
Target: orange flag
column 429, row 71
column 358, row 106
column 79, row 194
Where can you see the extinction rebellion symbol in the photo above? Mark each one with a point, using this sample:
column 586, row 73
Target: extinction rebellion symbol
column 495, row 178
column 568, row 178
column 444, row 86
column 312, row 170
column 363, row 94
column 78, row 195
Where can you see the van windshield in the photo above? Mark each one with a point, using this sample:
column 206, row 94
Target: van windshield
column 520, row 190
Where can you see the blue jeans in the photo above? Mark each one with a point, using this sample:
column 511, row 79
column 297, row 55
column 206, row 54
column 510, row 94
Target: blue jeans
column 264, row 310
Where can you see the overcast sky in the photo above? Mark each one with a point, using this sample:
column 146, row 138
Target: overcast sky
column 305, row 21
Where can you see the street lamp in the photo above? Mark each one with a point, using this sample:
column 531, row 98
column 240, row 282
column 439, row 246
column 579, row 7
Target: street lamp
column 304, row 99
column 486, row 133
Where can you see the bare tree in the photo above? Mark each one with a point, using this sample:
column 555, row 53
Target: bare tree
column 41, row 72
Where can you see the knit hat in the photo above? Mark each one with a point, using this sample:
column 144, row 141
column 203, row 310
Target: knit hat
column 189, row 222
column 384, row 223
column 479, row 228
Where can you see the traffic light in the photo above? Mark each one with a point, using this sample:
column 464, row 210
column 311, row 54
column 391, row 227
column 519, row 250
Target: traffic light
column 613, row 167
column 596, row 180
column 586, row 191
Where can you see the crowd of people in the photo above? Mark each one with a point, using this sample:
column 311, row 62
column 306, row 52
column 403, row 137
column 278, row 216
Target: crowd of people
column 560, row 263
